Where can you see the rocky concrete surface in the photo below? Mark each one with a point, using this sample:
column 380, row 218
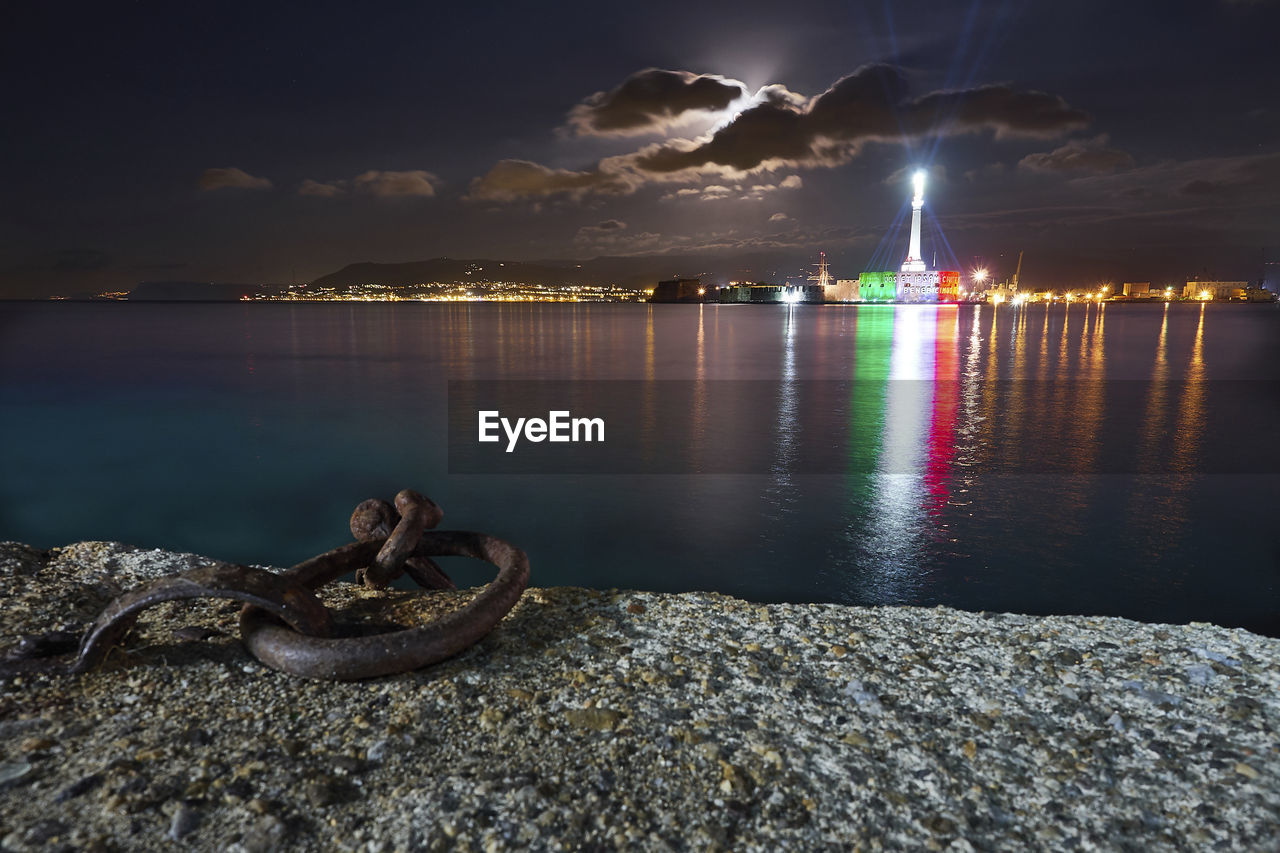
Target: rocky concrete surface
column 630, row 720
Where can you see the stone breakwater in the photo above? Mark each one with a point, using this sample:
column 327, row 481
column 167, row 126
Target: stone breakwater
column 608, row 720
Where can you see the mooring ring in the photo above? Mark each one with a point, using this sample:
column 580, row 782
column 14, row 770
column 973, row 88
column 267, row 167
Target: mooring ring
column 282, row 596
column 352, row 658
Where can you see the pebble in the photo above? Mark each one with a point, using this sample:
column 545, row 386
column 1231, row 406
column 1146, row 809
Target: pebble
column 81, row 786
column 12, row 771
column 36, row 744
column 600, row 719
column 184, row 822
column 347, row 764
column 323, row 791
column 1199, row 673
column 265, row 835
column 378, row 751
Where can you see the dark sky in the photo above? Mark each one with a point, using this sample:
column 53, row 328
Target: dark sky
column 263, row 142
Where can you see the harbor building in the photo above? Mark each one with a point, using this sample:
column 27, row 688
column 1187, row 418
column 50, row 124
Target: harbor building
column 844, row 290
column 679, row 290
column 763, row 293
column 1137, row 289
column 1219, row 290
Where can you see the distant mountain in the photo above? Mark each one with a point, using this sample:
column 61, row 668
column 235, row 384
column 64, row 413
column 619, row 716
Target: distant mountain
column 448, row 270
column 632, row 271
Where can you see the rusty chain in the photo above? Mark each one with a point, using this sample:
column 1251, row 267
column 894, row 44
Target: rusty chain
column 285, row 625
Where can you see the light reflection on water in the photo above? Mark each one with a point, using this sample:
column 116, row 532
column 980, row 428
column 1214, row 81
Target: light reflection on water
column 976, row 443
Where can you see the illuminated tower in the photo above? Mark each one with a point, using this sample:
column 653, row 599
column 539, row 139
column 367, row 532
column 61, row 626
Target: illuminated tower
column 913, row 263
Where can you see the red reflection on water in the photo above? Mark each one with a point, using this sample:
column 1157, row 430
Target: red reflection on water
column 946, row 400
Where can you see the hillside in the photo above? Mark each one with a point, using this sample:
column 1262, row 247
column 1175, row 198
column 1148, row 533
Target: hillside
column 633, row 271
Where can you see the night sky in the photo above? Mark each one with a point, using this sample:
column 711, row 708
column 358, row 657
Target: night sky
column 273, row 142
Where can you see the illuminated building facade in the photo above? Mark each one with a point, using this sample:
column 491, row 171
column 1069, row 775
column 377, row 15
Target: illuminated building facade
column 844, row 290
column 1220, row 290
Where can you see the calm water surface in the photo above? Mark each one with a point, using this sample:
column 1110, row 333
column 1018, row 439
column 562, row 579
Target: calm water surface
column 1048, row 459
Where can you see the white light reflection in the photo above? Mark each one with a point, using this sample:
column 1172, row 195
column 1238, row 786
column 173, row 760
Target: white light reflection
column 898, row 484
column 783, row 491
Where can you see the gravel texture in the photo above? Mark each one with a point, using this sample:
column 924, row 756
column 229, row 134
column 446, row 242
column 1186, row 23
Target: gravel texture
column 613, row 720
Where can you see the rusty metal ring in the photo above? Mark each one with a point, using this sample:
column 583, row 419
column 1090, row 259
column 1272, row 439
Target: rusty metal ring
column 352, row 658
column 284, row 597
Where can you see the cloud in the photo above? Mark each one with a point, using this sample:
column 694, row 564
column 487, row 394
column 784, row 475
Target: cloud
column 613, row 236
column 936, row 172
column 653, row 100
column 321, row 188
column 606, row 229
column 1214, row 195
column 229, row 177
column 782, row 129
column 793, row 238
column 512, row 180
column 1079, row 155
column 871, row 104
column 618, row 243
column 712, row 192
column 396, row 184
column 715, row 192
column 1218, row 181
column 779, row 217
column 1200, row 186
column 376, row 183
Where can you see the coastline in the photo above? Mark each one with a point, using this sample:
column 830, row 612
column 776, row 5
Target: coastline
column 632, row 719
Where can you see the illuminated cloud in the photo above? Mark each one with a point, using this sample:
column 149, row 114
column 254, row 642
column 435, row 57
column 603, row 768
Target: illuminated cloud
column 653, row 100
column 936, row 171
column 871, row 104
column 1078, row 155
column 229, row 177
column 513, row 180
column 717, row 192
column 396, row 184
column 779, row 217
column 321, row 189
column 779, row 129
